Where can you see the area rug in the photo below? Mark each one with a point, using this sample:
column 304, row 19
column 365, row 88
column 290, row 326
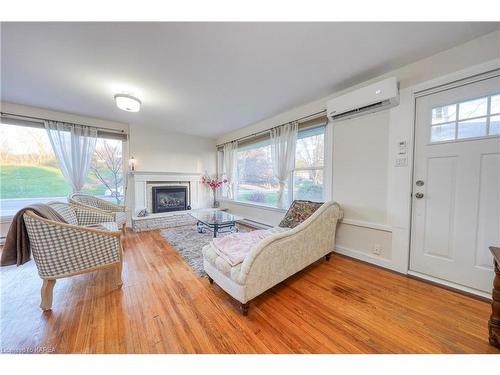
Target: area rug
column 188, row 243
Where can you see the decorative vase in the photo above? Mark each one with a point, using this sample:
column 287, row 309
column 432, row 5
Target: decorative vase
column 215, row 204
column 214, row 183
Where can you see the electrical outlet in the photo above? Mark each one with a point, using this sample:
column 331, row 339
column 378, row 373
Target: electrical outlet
column 377, row 249
column 401, row 162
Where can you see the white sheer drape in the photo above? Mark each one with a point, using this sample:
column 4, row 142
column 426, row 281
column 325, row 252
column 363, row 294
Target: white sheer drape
column 229, row 168
column 74, row 146
column 328, row 163
column 283, row 143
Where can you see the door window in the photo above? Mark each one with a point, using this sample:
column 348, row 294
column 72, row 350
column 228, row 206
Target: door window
column 474, row 118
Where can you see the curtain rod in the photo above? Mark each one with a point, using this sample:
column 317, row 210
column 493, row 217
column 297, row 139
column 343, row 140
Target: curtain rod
column 274, row 127
column 40, row 119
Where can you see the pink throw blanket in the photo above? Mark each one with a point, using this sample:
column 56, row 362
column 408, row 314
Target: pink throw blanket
column 235, row 247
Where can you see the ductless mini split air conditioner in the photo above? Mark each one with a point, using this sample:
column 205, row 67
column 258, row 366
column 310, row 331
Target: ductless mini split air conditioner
column 372, row 98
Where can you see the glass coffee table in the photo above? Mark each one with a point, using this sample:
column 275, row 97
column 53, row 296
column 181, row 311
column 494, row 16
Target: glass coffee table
column 214, row 221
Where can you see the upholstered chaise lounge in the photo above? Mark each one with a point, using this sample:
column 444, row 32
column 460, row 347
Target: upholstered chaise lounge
column 276, row 257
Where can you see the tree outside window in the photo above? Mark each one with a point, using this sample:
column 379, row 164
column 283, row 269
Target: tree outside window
column 106, row 169
column 257, row 184
column 30, row 173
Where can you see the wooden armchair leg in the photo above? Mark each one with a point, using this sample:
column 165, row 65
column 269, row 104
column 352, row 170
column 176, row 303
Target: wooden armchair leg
column 244, row 307
column 118, row 271
column 46, row 293
column 124, row 228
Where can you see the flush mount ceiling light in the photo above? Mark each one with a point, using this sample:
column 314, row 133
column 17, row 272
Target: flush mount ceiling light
column 127, row 102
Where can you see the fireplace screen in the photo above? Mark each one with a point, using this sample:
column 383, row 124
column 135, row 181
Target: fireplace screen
column 169, row 198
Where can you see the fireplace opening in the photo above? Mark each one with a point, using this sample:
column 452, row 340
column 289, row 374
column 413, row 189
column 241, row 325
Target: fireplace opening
column 170, row 198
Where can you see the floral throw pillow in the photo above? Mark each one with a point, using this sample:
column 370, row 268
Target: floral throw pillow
column 298, row 212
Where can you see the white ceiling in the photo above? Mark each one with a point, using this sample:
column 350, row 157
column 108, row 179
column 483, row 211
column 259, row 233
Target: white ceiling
column 206, row 78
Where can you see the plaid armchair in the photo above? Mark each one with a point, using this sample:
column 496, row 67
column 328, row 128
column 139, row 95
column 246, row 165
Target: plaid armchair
column 93, row 202
column 90, row 240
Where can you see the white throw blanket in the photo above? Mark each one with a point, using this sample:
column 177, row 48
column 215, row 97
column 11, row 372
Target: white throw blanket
column 235, row 247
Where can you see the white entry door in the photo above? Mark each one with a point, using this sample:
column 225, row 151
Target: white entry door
column 456, row 184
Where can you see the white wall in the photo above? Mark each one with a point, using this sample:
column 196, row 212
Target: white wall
column 360, row 166
column 374, row 193
column 157, row 150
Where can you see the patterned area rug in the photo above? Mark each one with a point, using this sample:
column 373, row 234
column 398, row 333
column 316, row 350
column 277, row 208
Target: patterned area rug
column 188, row 242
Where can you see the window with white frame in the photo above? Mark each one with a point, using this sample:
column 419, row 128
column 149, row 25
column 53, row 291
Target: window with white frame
column 474, row 118
column 308, row 175
column 29, row 171
column 256, row 182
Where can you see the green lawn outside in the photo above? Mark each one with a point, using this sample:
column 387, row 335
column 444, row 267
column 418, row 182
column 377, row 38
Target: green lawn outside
column 33, row 181
column 269, row 198
column 303, row 190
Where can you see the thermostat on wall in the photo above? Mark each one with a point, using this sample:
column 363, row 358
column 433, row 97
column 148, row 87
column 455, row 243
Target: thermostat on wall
column 401, row 158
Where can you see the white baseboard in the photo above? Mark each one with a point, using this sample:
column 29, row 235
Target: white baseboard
column 254, row 224
column 373, row 259
column 385, row 263
column 366, row 224
column 450, row 284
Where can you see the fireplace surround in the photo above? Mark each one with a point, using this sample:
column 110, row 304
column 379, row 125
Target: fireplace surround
column 140, row 197
column 170, row 198
column 141, row 184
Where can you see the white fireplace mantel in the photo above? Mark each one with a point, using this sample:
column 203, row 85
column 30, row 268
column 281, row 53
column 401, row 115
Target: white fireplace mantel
column 138, row 181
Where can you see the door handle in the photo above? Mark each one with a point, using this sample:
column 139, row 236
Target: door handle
column 419, row 195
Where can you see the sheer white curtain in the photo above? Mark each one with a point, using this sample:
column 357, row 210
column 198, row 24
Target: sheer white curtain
column 229, row 168
column 74, row 146
column 328, row 163
column 283, row 143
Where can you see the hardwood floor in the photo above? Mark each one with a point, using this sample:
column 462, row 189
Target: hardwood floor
column 340, row 306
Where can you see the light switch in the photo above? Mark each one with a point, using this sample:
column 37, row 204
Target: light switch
column 402, row 147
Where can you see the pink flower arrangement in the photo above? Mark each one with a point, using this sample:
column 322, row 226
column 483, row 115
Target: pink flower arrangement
column 214, row 183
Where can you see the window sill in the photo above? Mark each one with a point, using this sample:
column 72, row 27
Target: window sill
column 254, row 205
